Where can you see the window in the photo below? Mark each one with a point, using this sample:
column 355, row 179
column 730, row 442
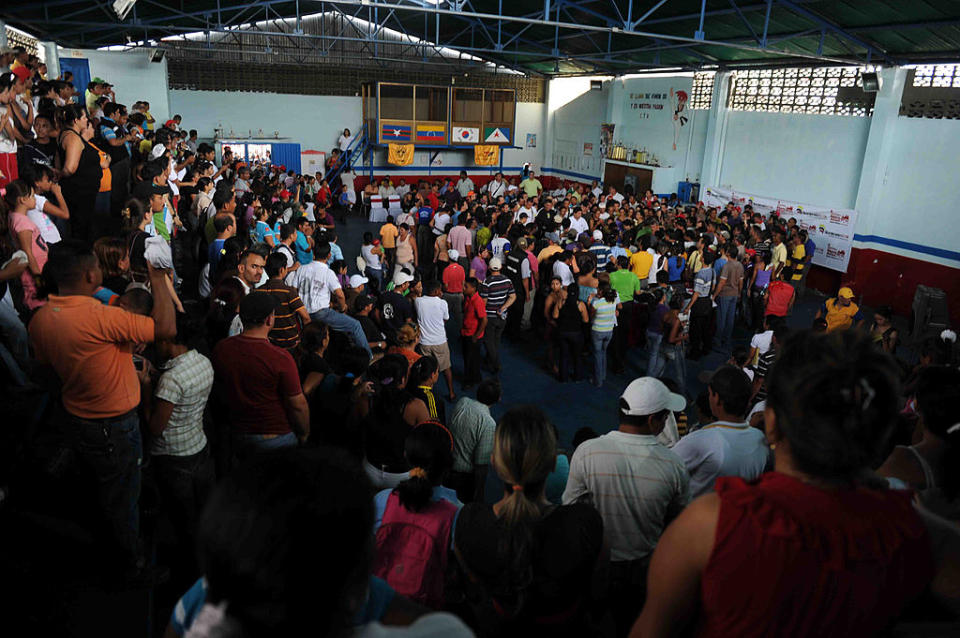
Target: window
column 396, row 102
column 467, row 105
column 498, row 106
column 811, row 90
column 702, row 93
column 932, row 91
column 21, row 39
column 431, row 104
column 939, row 76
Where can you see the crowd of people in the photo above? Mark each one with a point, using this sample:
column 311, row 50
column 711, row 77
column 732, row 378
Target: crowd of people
column 203, row 337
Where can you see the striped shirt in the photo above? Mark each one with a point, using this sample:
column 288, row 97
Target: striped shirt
column 636, row 484
column 286, row 327
column 606, row 317
column 495, row 291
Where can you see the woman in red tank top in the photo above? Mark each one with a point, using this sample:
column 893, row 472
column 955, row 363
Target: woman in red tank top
column 817, row 548
column 780, row 295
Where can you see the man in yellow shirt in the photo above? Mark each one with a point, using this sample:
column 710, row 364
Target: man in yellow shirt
column 798, row 260
column 640, row 264
column 778, row 257
column 552, row 247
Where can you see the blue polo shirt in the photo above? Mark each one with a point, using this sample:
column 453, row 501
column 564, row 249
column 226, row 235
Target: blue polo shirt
column 302, row 247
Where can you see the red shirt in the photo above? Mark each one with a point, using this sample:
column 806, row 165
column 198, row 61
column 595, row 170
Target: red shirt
column 779, row 294
column 474, row 309
column 453, row 276
column 434, row 201
column 790, row 559
column 253, row 379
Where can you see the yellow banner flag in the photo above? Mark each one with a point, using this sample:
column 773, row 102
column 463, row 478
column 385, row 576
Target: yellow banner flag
column 486, row 155
column 400, row 154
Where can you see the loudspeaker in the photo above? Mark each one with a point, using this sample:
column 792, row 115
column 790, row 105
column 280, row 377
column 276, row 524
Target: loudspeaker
column 156, row 55
column 871, row 81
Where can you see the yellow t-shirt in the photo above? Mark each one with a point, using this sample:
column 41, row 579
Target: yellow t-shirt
column 796, row 262
column 640, row 263
column 778, row 256
column 547, row 252
column 388, row 234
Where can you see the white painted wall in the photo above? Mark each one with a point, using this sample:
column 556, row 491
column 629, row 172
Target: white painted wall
column 315, row 122
column 575, row 123
column 815, row 159
column 133, row 75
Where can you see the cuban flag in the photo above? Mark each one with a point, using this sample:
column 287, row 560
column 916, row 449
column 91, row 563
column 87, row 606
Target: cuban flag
column 396, row 132
column 466, row 135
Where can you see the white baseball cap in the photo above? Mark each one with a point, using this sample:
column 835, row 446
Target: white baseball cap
column 401, row 278
column 598, row 235
column 647, row 395
column 357, row 280
column 495, row 263
column 454, row 254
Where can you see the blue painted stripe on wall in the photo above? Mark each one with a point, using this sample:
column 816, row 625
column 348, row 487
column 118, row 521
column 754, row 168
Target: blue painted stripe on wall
column 440, row 170
column 919, row 248
column 570, row 173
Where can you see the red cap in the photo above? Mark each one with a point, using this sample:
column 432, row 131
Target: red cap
column 284, row 193
column 22, row 73
column 376, row 242
column 283, row 168
column 751, row 252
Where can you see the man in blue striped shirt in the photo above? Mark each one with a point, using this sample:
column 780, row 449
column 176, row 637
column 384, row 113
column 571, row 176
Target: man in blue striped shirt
column 499, row 294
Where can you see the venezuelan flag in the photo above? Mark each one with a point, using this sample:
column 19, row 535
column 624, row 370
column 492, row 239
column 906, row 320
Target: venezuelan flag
column 431, row 133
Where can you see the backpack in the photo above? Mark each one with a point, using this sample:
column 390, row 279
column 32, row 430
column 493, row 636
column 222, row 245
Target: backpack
column 412, row 549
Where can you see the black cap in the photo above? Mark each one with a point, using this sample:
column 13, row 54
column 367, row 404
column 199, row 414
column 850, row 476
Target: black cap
column 256, row 307
column 364, row 300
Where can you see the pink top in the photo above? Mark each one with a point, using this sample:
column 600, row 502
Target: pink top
column 37, row 247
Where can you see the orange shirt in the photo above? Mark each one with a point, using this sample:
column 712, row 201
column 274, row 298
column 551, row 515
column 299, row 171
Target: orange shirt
column 106, row 180
column 388, row 234
column 89, row 345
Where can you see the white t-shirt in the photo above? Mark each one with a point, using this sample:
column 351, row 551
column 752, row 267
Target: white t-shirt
column 659, row 263
column 496, row 189
column 762, row 342
column 562, row 270
column 373, row 261
column 316, row 282
column 344, row 142
column 431, row 313
column 580, row 225
column 617, row 197
column 636, row 484
column 440, row 221
column 48, row 229
column 722, row 449
column 432, row 625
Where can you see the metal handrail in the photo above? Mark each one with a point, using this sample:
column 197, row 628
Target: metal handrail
column 359, row 143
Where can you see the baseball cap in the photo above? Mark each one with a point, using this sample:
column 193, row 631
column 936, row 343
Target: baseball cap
column 157, row 151
column 284, row 193
column 98, row 80
column 256, row 307
column 554, row 237
column 401, row 278
column 845, row 292
column 598, row 235
column 454, row 254
column 364, row 300
column 647, row 395
column 22, row 72
column 522, row 242
column 357, row 280
column 495, row 263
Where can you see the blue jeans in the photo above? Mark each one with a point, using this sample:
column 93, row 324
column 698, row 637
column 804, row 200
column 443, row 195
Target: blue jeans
column 344, row 323
column 266, row 442
column 13, row 330
column 654, row 362
column 726, row 313
column 675, row 360
column 377, row 275
column 111, row 449
column 600, row 342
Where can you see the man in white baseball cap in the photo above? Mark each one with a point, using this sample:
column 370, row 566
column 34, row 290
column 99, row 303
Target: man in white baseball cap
column 636, row 484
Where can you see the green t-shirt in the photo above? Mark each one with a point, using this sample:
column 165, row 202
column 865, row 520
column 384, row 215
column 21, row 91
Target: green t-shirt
column 625, row 283
column 531, row 187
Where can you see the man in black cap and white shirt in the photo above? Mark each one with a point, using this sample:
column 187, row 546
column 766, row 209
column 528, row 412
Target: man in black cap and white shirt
column 636, row 484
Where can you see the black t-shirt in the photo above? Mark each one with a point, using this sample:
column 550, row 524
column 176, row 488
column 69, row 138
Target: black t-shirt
column 566, row 544
column 395, row 310
column 313, row 362
column 370, row 329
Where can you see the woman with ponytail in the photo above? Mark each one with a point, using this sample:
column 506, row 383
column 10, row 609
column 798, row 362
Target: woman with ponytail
column 80, row 170
column 820, row 546
column 424, row 374
column 533, row 563
column 415, row 521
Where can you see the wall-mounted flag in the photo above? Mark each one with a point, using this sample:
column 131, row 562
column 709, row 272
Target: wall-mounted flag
column 396, row 132
column 496, row 135
column 466, row 135
column 433, row 133
column 486, row 155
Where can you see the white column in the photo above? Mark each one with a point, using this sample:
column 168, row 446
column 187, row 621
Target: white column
column 51, row 59
column 3, row 34
column 716, row 133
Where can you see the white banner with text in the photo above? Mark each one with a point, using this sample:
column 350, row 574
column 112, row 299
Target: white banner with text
column 830, row 229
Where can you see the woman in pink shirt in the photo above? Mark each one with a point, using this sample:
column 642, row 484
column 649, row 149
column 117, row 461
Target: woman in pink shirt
column 18, row 200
